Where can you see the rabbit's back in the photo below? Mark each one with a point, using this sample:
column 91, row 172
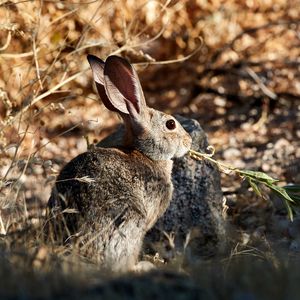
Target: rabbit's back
column 119, row 195
column 103, row 175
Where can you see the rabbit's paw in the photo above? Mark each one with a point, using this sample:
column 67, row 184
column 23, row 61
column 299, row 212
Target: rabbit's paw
column 143, row 266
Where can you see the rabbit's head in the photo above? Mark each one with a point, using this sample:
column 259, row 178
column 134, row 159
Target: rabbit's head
column 156, row 134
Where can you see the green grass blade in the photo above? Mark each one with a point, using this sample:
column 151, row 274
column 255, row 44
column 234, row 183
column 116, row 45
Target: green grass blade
column 260, row 176
column 294, row 188
column 254, row 187
column 289, row 210
column 281, row 192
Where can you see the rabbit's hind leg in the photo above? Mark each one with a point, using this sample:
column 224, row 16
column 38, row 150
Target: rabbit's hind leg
column 121, row 253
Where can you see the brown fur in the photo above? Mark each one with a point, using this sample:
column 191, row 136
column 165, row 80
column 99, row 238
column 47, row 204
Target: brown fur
column 119, row 193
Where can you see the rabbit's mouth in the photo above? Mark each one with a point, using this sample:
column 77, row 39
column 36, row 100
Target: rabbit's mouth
column 184, row 147
column 181, row 152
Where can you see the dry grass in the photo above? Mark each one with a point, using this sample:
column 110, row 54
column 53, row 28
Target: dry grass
column 246, row 73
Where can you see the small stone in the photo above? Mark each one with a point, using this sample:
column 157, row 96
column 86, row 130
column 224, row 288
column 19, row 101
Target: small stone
column 10, row 150
column 37, row 170
column 47, row 164
column 231, row 153
column 37, row 161
column 21, row 164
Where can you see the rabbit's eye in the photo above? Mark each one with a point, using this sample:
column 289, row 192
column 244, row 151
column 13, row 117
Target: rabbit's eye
column 171, row 124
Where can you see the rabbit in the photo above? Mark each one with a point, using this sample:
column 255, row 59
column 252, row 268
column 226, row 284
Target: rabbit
column 108, row 198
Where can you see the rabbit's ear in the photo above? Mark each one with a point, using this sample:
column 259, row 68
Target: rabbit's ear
column 97, row 66
column 123, row 87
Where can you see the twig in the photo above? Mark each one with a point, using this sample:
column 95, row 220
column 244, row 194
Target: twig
column 261, row 85
column 2, row 227
column 36, row 62
column 18, row 55
column 224, row 167
column 49, row 92
column 7, row 42
column 87, row 46
column 172, row 61
column 264, row 115
column 254, row 178
column 15, row 153
column 62, row 17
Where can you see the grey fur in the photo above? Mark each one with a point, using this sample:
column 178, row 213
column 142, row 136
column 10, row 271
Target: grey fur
column 119, row 192
column 195, row 214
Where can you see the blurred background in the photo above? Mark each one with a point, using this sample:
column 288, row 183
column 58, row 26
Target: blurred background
column 232, row 65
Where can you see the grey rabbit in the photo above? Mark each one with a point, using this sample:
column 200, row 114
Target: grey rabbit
column 119, row 193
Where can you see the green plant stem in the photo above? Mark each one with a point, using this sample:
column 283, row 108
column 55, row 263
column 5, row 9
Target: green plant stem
column 254, row 178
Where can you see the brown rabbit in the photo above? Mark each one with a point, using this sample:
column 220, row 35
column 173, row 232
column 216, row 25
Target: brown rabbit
column 120, row 192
